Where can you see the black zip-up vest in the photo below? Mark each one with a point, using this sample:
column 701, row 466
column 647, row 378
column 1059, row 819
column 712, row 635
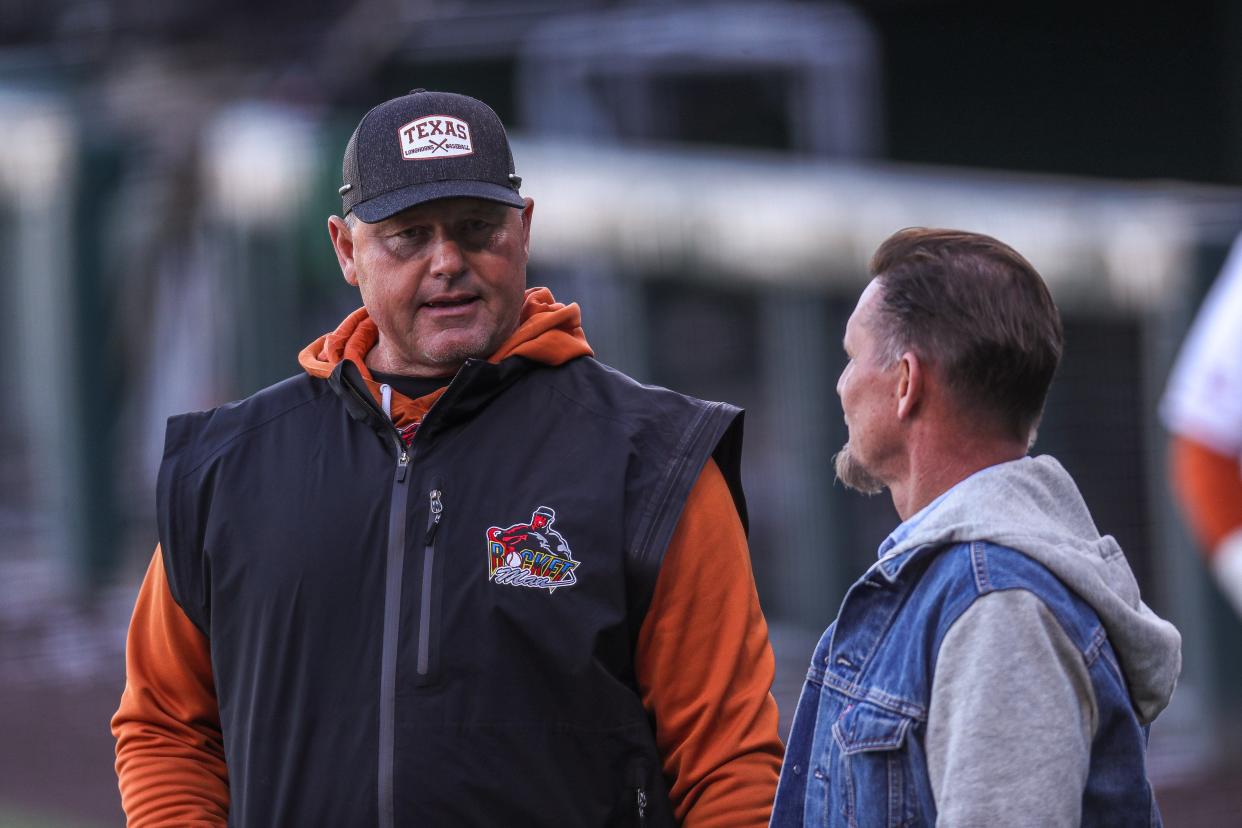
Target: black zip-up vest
column 438, row 634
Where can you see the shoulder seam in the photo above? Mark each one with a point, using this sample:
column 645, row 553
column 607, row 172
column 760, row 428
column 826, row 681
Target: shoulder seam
column 218, row 449
column 979, row 567
column 603, row 415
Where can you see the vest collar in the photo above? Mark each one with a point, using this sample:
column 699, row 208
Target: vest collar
column 474, row 386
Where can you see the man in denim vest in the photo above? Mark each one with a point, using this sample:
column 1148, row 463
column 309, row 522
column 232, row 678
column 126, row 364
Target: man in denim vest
column 996, row 665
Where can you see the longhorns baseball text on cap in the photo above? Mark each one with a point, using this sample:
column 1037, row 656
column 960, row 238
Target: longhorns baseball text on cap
column 424, row 146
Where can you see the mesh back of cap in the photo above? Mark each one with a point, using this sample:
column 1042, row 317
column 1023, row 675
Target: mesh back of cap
column 349, row 174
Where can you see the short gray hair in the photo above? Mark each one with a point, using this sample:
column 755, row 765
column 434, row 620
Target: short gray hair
column 977, row 308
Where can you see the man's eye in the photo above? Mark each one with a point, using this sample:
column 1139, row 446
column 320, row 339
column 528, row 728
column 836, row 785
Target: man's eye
column 478, row 226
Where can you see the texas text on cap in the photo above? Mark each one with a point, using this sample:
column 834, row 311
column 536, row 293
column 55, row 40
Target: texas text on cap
column 423, row 146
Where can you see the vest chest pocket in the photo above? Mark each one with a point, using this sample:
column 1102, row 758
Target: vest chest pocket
column 877, row 784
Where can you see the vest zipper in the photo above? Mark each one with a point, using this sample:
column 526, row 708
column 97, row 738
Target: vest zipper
column 394, row 564
column 434, row 511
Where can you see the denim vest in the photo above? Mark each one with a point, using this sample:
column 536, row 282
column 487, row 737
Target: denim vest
column 855, row 755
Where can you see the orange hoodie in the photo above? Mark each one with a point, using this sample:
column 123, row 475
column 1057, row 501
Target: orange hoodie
column 703, row 663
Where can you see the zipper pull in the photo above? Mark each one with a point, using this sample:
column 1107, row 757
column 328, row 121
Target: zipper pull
column 437, row 507
column 641, row 802
column 403, row 465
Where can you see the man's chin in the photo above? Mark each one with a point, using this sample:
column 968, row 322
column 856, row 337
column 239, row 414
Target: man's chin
column 451, row 348
column 853, row 474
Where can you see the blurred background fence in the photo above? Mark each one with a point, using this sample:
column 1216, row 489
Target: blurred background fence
column 710, row 180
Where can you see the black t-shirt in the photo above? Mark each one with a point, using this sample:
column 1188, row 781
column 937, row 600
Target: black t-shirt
column 412, row 387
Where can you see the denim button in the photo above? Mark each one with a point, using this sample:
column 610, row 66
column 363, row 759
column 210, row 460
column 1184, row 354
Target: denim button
column 819, row 774
column 797, row 770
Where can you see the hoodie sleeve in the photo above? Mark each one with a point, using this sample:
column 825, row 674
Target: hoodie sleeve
column 169, row 749
column 705, row 668
column 1011, row 718
column 1209, row 487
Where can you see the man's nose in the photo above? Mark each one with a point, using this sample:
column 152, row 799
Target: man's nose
column 447, row 260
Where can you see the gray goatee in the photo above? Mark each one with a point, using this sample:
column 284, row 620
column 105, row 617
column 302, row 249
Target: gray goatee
column 853, row 474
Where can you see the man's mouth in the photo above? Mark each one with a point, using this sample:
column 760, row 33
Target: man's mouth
column 450, row 302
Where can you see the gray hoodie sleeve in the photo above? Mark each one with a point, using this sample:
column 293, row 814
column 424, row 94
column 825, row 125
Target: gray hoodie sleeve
column 1011, row 718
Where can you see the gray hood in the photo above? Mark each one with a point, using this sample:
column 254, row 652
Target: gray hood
column 1032, row 505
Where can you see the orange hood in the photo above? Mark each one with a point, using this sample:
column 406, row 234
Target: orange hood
column 547, row 332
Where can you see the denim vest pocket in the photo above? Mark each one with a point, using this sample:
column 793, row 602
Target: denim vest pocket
column 874, row 749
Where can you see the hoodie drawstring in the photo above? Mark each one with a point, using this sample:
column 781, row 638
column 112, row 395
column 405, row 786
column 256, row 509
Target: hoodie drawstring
column 386, row 400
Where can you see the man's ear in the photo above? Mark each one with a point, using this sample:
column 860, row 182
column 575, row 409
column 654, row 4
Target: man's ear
column 343, row 243
column 911, row 384
column 528, row 213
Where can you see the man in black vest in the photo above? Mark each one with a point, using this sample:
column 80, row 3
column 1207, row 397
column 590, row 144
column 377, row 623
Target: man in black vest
column 325, row 637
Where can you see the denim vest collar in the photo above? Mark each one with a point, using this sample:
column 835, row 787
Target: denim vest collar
column 891, row 563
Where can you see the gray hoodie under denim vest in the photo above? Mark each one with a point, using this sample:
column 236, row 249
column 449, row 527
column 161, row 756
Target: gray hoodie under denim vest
column 990, row 593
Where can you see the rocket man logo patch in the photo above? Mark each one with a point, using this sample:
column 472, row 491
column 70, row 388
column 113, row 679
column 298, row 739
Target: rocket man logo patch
column 531, row 554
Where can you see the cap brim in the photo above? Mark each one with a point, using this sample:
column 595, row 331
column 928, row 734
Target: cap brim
column 389, row 204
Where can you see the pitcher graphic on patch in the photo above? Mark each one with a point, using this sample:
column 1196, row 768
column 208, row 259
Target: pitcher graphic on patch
column 531, row 554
